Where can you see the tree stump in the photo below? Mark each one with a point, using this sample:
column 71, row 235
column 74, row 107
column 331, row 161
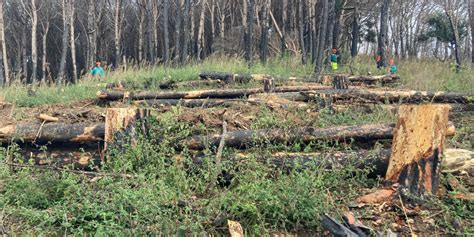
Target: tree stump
column 418, row 147
column 269, row 85
column 340, row 82
column 121, row 126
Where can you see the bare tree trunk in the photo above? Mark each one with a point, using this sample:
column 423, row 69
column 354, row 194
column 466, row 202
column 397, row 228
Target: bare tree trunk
column 355, row 31
column 449, row 9
column 249, row 39
column 154, row 26
column 62, row 65
column 301, row 28
column 91, row 34
column 382, row 37
column 331, row 23
column 284, row 26
column 6, row 70
column 141, row 26
column 73, row 41
column 245, row 11
column 322, row 36
column 117, row 32
column 34, row 48
column 166, row 34
column 186, row 32
column 45, row 50
column 265, row 27
column 177, row 35
column 338, row 23
column 202, row 18
column 471, row 20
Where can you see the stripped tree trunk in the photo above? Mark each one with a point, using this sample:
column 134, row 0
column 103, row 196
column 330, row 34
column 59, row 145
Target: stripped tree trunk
column 6, row 69
column 73, row 41
column 418, row 147
column 202, row 18
column 34, row 48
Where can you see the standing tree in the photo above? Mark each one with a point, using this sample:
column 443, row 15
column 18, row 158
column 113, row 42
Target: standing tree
column 382, row 37
column 166, row 34
column 117, row 31
column 471, row 20
column 71, row 17
column 355, row 30
column 323, row 26
column 4, row 58
column 265, row 29
column 301, row 30
column 62, row 64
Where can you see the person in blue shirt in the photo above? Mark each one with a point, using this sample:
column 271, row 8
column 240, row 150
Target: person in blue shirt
column 393, row 67
column 98, row 71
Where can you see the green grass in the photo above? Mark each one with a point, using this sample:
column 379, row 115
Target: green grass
column 415, row 74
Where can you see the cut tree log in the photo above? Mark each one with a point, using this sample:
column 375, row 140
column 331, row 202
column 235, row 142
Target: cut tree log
column 214, row 94
column 47, row 118
column 340, row 82
column 231, row 78
column 370, row 80
column 52, row 132
column 247, row 138
column 418, row 148
column 380, row 96
column 192, row 103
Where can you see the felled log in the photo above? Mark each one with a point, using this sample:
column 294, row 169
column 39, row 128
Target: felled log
column 192, row 103
column 379, row 96
column 370, row 80
column 216, row 94
column 52, row 132
column 230, row 78
column 418, row 147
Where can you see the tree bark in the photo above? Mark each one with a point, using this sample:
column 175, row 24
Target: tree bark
column 73, row 41
column 62, row 65
column 52, row 132
column 301, row 30
column 166, row 34
column 284, row 26
column 264, row 35
column 45, row 51
column 177, row 36
column 248, row 138
column 6, row 69
column 117, row 32
column 322, row 37
column 225, row 94
column 141, row 25
column 200, row 39
column 34, row 47
column 355, row 31
column 383, row 33
column 186, row 32
column 471, row 20
column 250, row 28
column 91, row 33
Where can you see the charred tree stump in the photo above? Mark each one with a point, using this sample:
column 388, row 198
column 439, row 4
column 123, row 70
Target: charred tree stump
column 418, row 147
column 121, row 126
column 269, row 85
column 340, row 82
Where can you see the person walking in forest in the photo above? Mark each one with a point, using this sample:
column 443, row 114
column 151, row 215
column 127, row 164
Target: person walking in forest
column 334, row 58
column 98, row 71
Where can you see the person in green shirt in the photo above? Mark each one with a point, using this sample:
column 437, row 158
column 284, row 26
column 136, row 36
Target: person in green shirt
column 98, row 71
column 393, row 67
column 334, row 59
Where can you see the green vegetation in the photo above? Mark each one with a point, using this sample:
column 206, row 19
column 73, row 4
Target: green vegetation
column 415, row 74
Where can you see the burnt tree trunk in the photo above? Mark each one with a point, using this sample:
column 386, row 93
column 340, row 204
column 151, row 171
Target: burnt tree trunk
column 417, row 148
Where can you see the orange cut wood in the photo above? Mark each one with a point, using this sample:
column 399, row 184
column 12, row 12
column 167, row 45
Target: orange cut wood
column 418, row 146
column 379, row 196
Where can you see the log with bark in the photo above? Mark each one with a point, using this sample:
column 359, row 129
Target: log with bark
column 231, row 78
column 380, row 96
column 247, row 138
column 222, row 94
column 53, row 132
column 370, row 80
column 192, row 103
